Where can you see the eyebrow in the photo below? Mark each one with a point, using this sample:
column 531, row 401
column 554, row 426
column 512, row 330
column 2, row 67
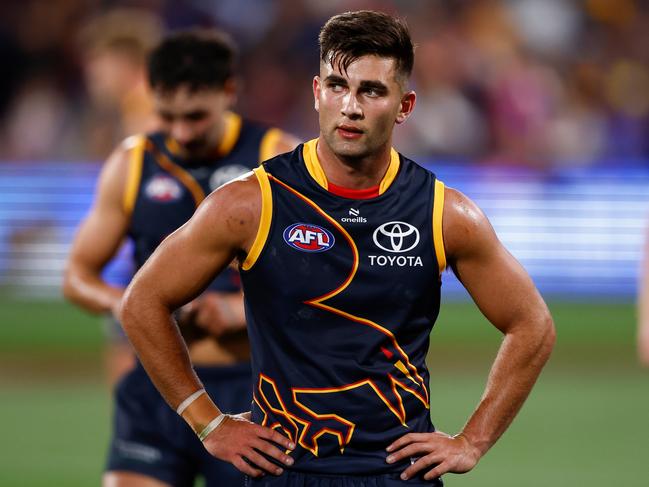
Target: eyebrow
column 333, row 78
column 375, row 85
column 364, row 85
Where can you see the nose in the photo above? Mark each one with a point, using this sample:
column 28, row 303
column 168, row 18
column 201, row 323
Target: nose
column 181, row 132
column 351, row 108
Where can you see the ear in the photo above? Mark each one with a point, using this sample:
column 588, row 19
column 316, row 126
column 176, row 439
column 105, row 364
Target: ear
column 408, row 101
column 316, row 92
column 230, row 90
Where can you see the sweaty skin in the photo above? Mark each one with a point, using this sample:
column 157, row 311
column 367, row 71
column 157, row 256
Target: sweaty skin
column 358, row 109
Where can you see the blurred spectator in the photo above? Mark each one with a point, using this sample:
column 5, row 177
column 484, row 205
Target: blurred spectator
column 114, row 48
column 525, row 82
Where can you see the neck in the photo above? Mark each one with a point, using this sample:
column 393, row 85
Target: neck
column 353, row 172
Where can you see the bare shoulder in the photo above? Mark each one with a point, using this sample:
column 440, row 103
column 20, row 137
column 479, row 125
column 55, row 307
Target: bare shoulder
column 120, row 159
column 117, row 168
column 465, row 227
column 286, row 143
column 234, row 208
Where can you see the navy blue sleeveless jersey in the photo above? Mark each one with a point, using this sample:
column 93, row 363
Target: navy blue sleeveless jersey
column 163, row 191
column 341, row 295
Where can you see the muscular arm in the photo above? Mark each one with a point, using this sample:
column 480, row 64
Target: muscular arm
column 223, row 228
column 643, row 307
column 507, row 297
column 217, row 312
column 509, row 300
column 98, row 238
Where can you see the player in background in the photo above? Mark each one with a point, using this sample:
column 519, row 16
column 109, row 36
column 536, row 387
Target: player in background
column 149, row 187
column 340, row 307
column 643, row 306
column 114, row 47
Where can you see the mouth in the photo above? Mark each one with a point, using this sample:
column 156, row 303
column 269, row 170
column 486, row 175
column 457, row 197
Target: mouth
column 349, row 132
column 193, row 146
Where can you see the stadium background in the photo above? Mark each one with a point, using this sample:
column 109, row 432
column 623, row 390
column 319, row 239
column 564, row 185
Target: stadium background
column 537, row 109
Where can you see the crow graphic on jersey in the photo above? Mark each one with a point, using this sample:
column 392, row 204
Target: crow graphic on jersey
column 297, row 411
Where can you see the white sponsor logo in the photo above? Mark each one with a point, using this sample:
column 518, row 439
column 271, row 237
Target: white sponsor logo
column 396, row 260
column 355, row 217
column 396, row 237
column 226, row 174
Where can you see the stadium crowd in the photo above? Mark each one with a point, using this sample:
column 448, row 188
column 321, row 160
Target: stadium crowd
column 522, row 82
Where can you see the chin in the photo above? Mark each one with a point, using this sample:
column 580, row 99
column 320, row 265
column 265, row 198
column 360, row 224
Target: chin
column 349, row 149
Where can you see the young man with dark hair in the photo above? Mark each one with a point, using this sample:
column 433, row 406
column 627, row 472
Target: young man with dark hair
column 341, row 245
column 149, row 187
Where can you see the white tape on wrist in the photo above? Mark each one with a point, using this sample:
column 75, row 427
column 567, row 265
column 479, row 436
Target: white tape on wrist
column 187, row 402
column 211, row 426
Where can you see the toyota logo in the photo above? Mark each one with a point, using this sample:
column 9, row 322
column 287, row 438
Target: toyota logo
column 396, row 237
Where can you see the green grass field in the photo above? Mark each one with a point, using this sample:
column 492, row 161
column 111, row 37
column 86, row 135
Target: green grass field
column 586, row 422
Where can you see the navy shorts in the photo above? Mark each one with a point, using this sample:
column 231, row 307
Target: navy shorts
column 296, row 479
column 149, row 438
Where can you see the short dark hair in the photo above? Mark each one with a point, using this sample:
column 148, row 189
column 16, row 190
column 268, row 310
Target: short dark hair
column 348, row 36
column 196, row 58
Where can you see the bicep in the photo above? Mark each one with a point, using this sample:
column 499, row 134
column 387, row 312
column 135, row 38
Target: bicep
column 496, row 281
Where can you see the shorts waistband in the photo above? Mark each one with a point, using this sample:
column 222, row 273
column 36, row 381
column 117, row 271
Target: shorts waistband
column 299, row 479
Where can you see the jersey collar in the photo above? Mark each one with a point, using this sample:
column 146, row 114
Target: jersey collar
column 317, row 173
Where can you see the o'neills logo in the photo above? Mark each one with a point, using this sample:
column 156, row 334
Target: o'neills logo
column 354, row 217
column 396, row 237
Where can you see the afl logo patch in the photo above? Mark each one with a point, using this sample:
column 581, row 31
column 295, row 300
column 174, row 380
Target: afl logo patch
column 396, row 237
column 163, row 189
column 308, row 238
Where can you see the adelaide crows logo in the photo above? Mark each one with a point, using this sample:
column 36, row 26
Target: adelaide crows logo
column 308, row 238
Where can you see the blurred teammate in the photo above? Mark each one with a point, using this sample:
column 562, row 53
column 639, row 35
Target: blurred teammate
column 114, row 47
column 643, row 306
column 148, row 188
column 341, row 245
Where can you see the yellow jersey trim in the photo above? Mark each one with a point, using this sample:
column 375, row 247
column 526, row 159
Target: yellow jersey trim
column 315, row 168
column 391, row 173
column 233, row 123
column 313, row 164
column 438, row 238
column 268, row 145
column 172, row 146
column 264, row 219
column 183, row 176
column 137, row 145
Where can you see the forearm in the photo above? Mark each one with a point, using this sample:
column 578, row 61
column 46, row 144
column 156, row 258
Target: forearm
column 91, row 293
column 519, row 361
column 156, row 339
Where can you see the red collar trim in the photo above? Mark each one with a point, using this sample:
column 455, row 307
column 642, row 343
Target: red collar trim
column 356, row 194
